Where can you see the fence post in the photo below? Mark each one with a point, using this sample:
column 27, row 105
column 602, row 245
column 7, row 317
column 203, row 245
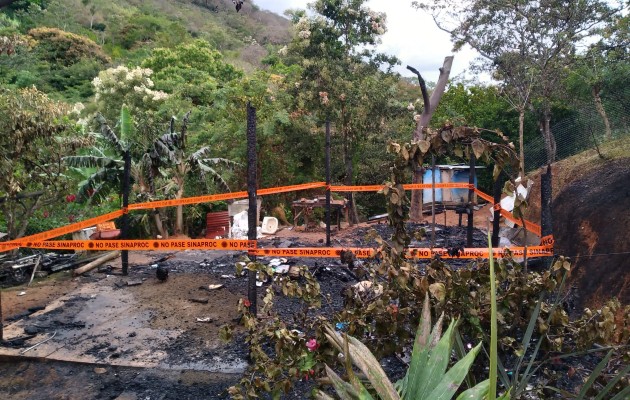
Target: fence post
column 471, row 193
column 328, row 183
column 124, row 229
column 497, row 189
column 546, row 212
column 1, row 320
column 251, row 194
column 433, row 200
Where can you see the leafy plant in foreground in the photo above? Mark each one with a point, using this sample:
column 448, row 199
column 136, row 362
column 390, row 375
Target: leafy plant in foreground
column 427, row 376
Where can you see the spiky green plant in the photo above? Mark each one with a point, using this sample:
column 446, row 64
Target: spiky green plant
column 428, row 376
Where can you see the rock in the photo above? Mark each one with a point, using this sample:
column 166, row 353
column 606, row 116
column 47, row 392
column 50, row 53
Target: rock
column 104, row 269
column 286, row 244
column 31, row 330
column 134, row 282
column 99, row 370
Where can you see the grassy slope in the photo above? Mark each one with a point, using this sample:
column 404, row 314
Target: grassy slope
column 573, row 168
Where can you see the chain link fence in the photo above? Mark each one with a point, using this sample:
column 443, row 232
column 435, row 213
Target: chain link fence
column 582, row 131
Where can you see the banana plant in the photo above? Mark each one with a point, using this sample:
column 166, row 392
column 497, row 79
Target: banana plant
column 168, row 157
column 103, row 170
column 428, row 376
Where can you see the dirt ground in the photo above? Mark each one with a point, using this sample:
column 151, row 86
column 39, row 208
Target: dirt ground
column 595, row 233
column 591, row 221
column 116, row 341
column 160, row 340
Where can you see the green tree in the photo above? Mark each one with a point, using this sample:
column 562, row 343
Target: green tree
column 36, row 135
column 133, row 88
column 526, row 43
column 192, row 71
column 602, row 66
column 342, row 80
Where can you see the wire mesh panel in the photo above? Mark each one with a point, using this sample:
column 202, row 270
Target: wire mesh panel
column 582, row 131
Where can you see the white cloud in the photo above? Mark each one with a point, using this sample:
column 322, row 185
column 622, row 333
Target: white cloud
column 411, row 36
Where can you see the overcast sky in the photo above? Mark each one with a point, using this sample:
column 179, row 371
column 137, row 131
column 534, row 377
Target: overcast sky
column 411, row 36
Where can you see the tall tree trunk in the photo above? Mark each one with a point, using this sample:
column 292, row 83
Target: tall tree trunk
column 157, row 218
column 349, row 181
column 179, row 180
column 179, row 217
column 550, row 141
column 415, row 213
column 26, row 216
column 600, row 109
column 521, row 128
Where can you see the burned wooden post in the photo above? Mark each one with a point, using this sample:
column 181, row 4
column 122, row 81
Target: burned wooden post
column 433, row 199
column 471, row 194
column 546, row 217
column 497, row 189
column 1, row 320
column 124, row 229
column 328, row 183
column 251, row 195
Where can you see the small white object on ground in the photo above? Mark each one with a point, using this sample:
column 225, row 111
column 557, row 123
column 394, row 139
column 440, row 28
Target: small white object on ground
column 269, row 225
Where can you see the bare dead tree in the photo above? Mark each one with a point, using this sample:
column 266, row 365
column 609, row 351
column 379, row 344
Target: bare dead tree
column 430, row 104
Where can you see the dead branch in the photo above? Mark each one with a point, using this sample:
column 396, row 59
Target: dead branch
column 423, row 89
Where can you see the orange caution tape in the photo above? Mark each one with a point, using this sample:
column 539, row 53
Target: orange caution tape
column 223, row 196
column 6, row 246
column 414, row 253
column 322, row 252
column 188, row 200
column 450, row 185
column 530, row 226
column 293, row 188
column 365, row 188
column 410, row 186
column 468, row 253
column 484, row 196
column 168, row 244
column 547, row 241
column 39, row 238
